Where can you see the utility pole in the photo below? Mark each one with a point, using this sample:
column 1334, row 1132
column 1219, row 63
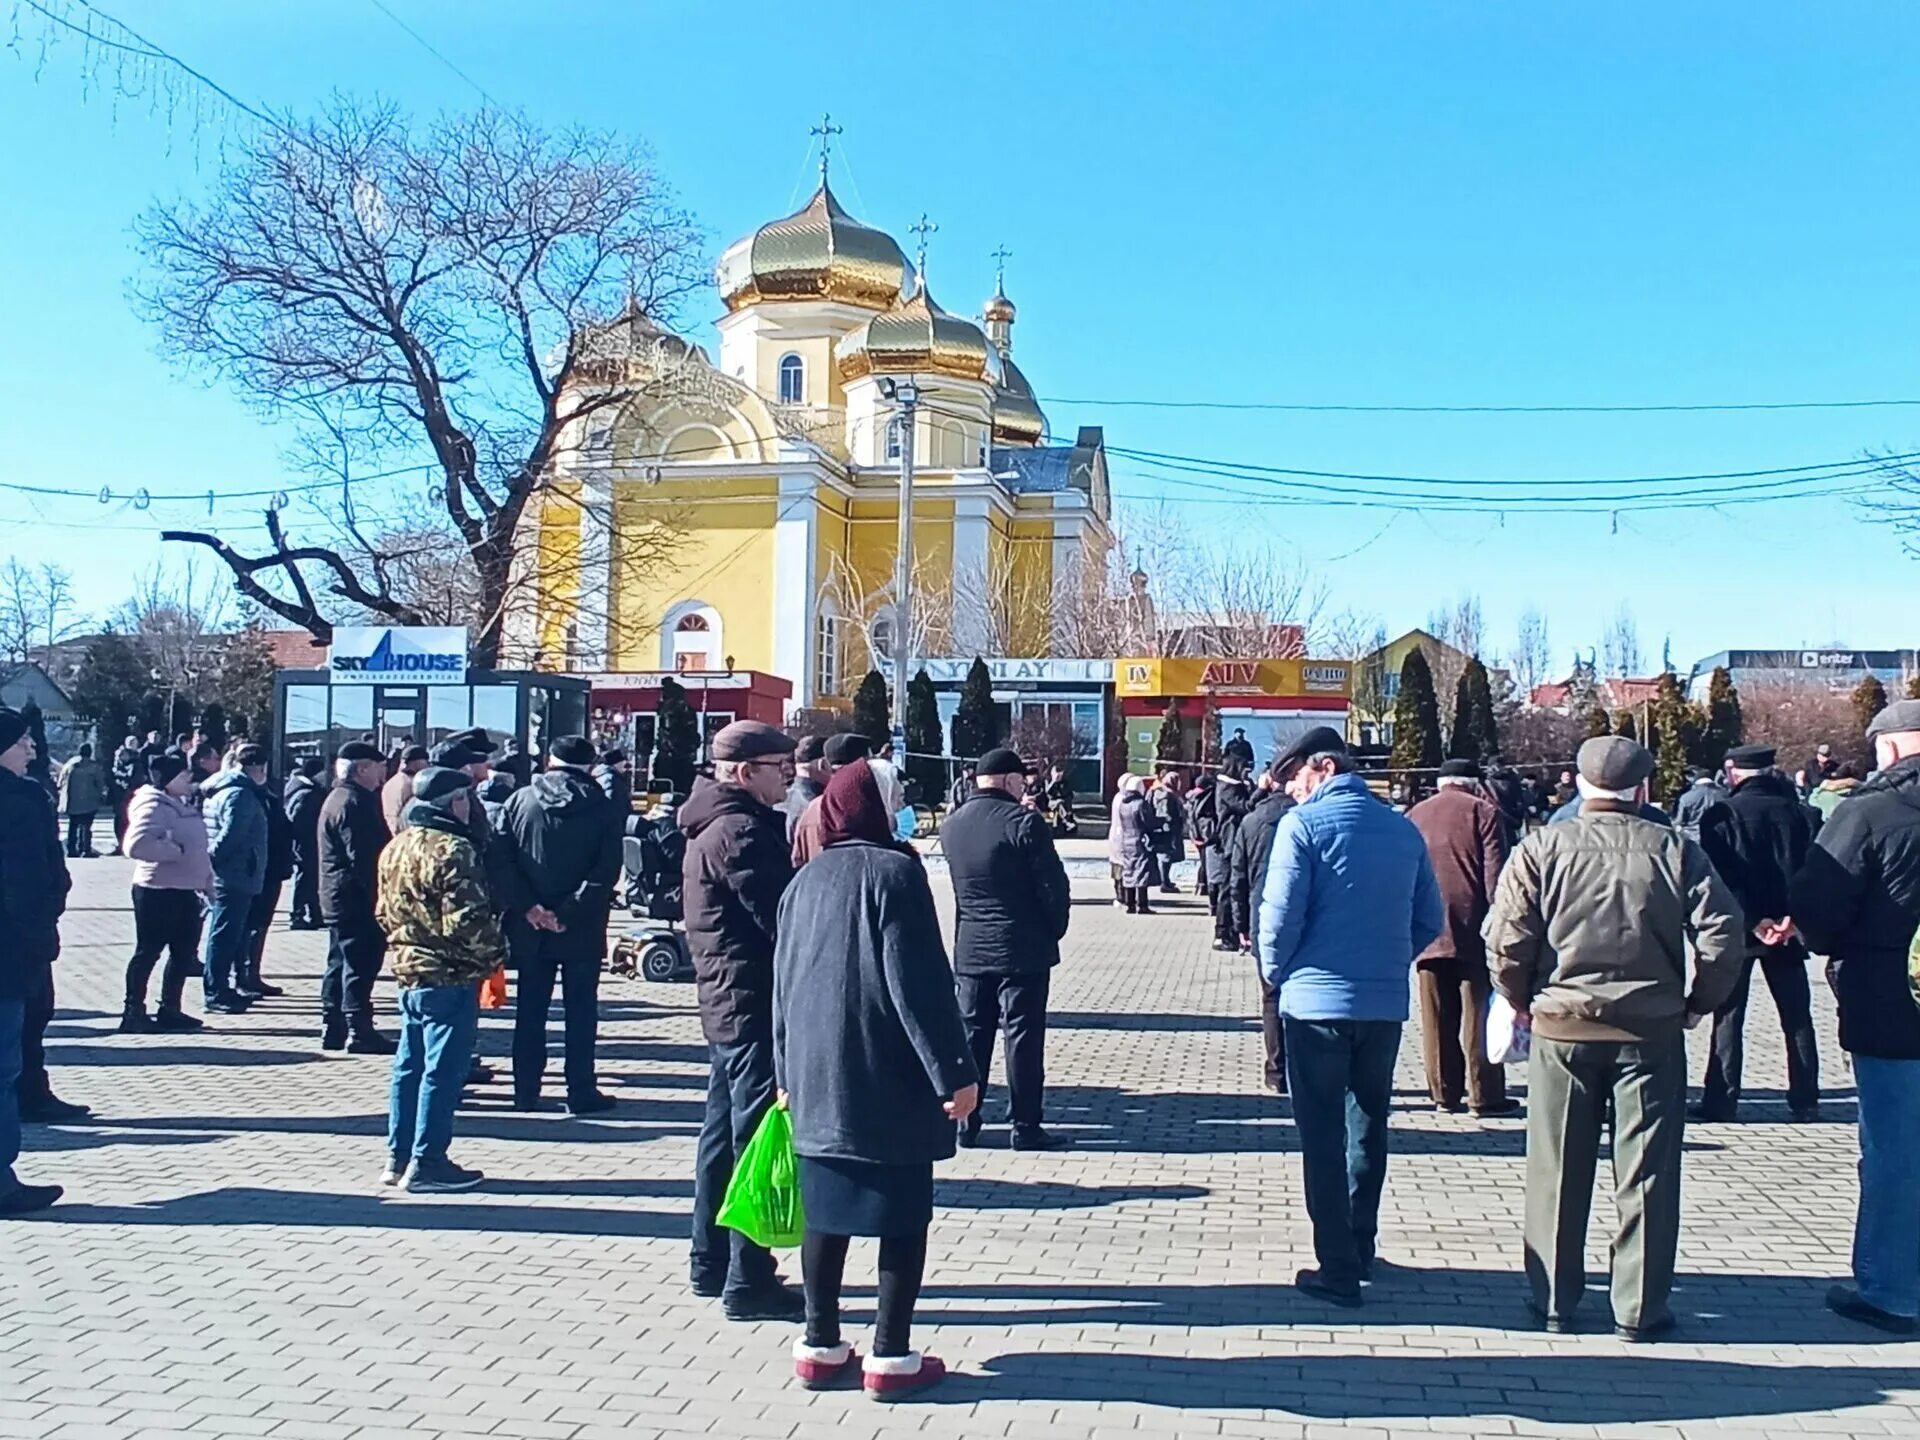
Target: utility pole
column 907, row 396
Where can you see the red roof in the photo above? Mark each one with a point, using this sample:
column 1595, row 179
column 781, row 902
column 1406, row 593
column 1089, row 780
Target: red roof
column 294, row 650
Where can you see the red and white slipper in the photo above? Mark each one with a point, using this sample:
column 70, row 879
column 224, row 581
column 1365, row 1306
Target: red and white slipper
column 821, row 1367
column 892, row 1377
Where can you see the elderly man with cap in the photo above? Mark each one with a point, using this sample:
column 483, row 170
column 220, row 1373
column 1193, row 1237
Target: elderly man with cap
column 1589, row 939
column 1758, row 837
column 440, row 926
column 616, row 778
column 352, row 835
column 33, row 895
column 1349, row 901
column 1857, row 901
column 1466, row 839
column 805, row 833
column 1012, row 905
column 559, row 839
column 811, row 771
column 396, row 796
column 736, row 870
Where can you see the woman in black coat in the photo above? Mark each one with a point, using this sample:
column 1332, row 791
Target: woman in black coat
column 871, row 1056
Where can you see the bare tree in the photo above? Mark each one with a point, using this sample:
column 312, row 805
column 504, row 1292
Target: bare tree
column 1620, row 645
column 177, row 618
column 36, row 608
column 1532, row 657
column 1461, row 630
column 392, row 290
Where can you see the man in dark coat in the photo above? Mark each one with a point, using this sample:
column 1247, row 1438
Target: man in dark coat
column 1252, row 848
column 737, row 867
column 1857, row 900
column 560, row 843
column 1012, row 902
column 352, row 835
column 1232, row 799
column 301, row 800
column 1170, row 839
column 1758, row 838
column 810, row 772
column 253, row 759
column 33, row 893
column 1239, row 748
column 616, row 778
column 1466, row 839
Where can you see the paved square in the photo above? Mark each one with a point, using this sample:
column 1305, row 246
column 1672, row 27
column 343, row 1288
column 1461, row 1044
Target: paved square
column 226, row 1265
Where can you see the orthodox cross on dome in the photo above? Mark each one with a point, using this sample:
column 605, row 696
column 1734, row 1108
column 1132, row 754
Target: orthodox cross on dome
column 826, row 130
column 923, row 227
column 1000, row 258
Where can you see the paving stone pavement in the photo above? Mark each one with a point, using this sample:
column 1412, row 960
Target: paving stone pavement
column 225, row 1264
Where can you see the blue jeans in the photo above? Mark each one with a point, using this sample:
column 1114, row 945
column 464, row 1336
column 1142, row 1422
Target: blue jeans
column 438, row 1024
column 739, row 1091
column 1340, row 1073
column 223, row 956
column 13, row 1020
column 1886, row 1236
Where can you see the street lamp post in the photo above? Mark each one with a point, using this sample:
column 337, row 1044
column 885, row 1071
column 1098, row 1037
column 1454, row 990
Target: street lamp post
column 907, row 396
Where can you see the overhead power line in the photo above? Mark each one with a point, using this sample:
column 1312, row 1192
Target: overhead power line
column 1283, row 407
column 141, row 47
column 428, row 46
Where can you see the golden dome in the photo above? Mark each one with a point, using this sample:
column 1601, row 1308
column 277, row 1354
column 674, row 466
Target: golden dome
column 999, row 307
column 918, row 337
column 820, row 253
column 1017, row 417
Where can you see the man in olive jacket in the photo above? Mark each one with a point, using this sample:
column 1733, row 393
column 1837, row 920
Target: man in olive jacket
column 737, row 867
column 1589, row 936
column 1010, row 894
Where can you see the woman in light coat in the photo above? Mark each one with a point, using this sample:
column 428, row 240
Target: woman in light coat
column 172, row 871
column 1136, row 827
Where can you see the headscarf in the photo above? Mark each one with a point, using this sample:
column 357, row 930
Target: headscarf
column 851, row 808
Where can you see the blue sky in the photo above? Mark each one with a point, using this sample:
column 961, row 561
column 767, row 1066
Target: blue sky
column 1399, row 204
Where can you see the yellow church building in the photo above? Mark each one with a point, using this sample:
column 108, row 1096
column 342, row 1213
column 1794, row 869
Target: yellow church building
column 743, row 513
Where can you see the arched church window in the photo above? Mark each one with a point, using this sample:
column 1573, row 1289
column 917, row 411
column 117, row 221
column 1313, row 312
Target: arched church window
column 691, row 637
column 793, row 380
column 893, row 439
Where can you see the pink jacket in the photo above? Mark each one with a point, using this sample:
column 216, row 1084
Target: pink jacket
column 168, row 842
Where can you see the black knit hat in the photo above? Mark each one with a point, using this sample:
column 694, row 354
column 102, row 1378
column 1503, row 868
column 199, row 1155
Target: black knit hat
column 847, row 748
column 162, row 768
column 575, row 750
column 12, row 726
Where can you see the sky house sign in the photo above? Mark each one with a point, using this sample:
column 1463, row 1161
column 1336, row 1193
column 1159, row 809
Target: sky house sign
column 398, row 655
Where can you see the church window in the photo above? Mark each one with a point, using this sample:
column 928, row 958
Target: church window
column 690, row 638
column 893, row 439
column 793, row 380
column 829, row 637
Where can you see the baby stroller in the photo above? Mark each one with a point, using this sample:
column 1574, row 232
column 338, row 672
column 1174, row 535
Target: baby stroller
column 655, row 949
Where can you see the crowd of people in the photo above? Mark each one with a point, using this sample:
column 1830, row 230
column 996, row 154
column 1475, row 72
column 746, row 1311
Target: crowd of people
column 825, row 986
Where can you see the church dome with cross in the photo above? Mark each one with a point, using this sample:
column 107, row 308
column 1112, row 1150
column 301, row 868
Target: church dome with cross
column 819, row 252
column 917, row 337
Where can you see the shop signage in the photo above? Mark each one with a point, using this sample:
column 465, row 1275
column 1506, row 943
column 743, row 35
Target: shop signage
column 1272, row 678
column 1038, row 670
column 650, row 680
column 1826, row 659
column 398, row 655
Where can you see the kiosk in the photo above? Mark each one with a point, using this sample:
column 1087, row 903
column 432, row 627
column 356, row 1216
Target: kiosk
column 411, row 684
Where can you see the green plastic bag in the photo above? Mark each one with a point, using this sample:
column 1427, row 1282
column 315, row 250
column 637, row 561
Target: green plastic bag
column 763, row 1198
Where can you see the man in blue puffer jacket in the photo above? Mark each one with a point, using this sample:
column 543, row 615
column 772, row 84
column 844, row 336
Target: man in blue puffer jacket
column 1350, row 901
column 235, row 809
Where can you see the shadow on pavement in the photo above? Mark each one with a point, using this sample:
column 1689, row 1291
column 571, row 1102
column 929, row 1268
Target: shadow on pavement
column 1590, row 1389
column 134, row 1051
column 244, row 1206
column 1713, row 1309
column 979, row 1194
column 629, row 1125
column 1147, row 1021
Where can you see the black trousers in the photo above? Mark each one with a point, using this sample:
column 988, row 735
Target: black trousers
column 34, row 1085
column 306, row 891
column 80, row 835
column 1016, row 1004
column 163, row 921
column 1785, row 967
column 259, row 921
column 539, row 966
column 823, row 1264
column 740, row 1089
column 1273, row 1039
column 354, row 955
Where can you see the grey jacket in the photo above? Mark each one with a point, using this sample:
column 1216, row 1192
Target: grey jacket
column 1592, row 923
column 236, row 814
column 867, row 1037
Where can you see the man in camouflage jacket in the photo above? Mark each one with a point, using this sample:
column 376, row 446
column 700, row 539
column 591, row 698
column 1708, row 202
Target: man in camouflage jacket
column 443, row 940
